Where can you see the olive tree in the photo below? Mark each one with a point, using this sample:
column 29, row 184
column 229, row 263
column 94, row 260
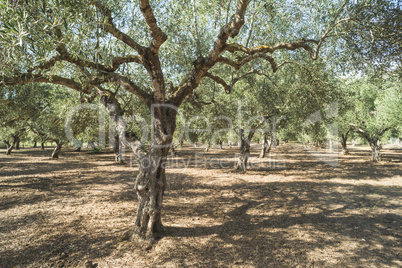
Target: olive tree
column 377, row 109
column 84, row 45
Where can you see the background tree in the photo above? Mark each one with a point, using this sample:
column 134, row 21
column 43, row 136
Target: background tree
column 378, row 109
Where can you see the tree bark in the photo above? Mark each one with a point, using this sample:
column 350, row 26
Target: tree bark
column 375, row 150
column 207, row 147
column 17, row 145
column 10, row 147
column 173, row 152
column 244, row 152
column 117, row 149
column 344, row 138
column 245, row 143
column 266, row 146
column 42, row 145
column 151, row 179
column 35, row 144
column 56, row 151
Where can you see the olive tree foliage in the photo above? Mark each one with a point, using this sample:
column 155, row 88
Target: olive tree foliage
column 84, row 45
column 378, row 102
column 49, row 124
column 19, row 105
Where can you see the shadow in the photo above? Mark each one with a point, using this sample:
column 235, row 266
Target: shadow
column 56, row 251
column 283, row 224
column 308, row 214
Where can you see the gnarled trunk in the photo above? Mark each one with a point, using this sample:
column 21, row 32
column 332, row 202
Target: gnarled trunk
column 266, row 146
column 57, row 150
column 10, row 147
column 151, row 179
column 35, row 144
column 173, row 152
column 375, row 150
column 344, row 138
column 42, row 145
column 208, row 146
column 220, row 142
column 117, row 149
column 244, row 152
column 17, row 145
column 245, row 146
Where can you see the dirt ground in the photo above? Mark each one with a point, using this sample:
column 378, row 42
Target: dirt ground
column 296, row 208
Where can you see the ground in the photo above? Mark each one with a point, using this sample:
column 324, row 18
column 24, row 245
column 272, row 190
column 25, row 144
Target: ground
column 293, row 209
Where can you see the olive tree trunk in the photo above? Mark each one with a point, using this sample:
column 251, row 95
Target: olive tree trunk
column 117, row 149
column 245, row 142
column 266, row 146
column 173, row 152
column 42, row 145
column 207, row 147
column 151, row 179
column 57, row 150
column 344, row 138
column 375, row 150
column 374, row 140
column 10, row 147
column 244, row 152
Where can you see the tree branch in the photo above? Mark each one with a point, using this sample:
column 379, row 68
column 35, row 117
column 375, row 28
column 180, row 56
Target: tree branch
column 123, row 81
column 158, row 36
column 233, row 47
column 238, row 64
column 202, row 65
column 116, row 62
column 228, row 88
column 111, row 28
column 126, row 83
column 219, row 80
column 53, row 79
column 46, row 65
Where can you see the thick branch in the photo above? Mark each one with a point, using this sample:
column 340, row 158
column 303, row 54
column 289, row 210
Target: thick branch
column 202, row 65
column 238, row 64
column 219, row 80
column 271, row 49
column 228, row 88
column 111, row 28
column 46, row 65
column 53, row 79
column 116, row 62
column 158, row 36
column 122, row 80
column 125, row 82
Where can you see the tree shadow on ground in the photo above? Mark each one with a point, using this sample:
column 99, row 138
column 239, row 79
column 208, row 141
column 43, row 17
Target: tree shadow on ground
column 220, row 219
column 286, row 224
